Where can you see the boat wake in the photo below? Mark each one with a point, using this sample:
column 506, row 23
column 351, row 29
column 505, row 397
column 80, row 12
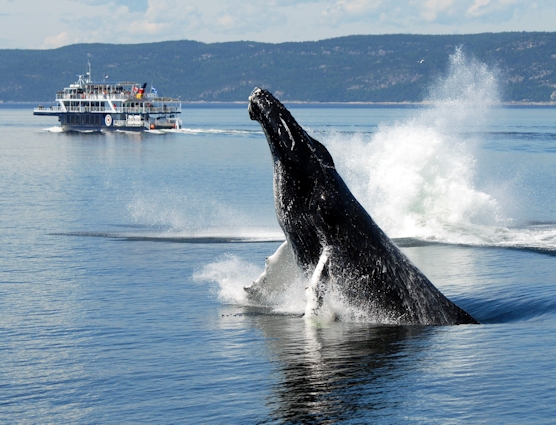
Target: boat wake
column 55, row 129
column 213, row 131
column 59, row 129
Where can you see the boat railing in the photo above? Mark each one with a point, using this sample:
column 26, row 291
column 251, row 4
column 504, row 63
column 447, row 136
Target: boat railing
column 102, row 108
column 94, row 96
column 53, row 108
column 101, row 96
column 150, row 110
column 82, row 109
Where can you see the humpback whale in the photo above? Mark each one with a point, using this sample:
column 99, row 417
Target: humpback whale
column 334, row 241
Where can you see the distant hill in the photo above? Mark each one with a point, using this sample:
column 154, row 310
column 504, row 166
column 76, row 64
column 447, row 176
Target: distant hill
column 372, row 68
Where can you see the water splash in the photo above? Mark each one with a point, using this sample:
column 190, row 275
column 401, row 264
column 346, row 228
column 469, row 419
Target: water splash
column 279, row 286
column 55, row 129
column 417, row 180
column 170, row 214
column 176, row 211
column 229, row 273
column 416, row 177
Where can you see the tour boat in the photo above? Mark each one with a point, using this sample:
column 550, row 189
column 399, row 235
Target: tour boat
column 103, row 106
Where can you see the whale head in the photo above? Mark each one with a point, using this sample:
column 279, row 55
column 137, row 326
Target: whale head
column 288, row 142
column 303, row 174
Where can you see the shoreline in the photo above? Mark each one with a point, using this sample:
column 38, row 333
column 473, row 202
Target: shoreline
column 302, row 103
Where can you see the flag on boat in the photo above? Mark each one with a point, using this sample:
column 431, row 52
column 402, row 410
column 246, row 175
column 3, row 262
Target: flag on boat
column 153, row 90
column 140, row 91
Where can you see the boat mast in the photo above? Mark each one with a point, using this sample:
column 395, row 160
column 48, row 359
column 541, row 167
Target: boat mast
column 89, row 73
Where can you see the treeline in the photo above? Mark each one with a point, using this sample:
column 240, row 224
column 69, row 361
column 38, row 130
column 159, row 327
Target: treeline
column 372, row 68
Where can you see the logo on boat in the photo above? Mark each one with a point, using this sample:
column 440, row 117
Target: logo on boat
column 108, row 120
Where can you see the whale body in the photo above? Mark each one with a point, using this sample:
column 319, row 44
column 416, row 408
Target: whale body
column 333, row 239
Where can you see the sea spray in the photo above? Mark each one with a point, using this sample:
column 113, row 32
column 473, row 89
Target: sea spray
column 229, row 274
column 169, row 213
column 178, row 212
column 416, row 177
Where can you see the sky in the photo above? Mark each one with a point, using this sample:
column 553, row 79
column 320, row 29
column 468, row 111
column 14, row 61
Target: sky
column 49, row 24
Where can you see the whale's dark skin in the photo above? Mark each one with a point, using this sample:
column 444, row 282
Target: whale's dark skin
column 322, row 220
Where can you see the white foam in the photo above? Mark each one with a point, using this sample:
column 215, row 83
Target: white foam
column 55, row 129
column 416, row 177
column 201, row 131
column 229, row 274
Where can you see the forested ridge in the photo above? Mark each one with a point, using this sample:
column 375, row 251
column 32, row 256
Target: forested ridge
column 364, row 68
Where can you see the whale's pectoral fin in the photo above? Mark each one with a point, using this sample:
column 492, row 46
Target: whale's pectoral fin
column 318, row 285
column 253, row 292
column 280, row 271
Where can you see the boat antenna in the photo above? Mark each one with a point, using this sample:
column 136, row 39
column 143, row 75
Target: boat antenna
column 89, row 73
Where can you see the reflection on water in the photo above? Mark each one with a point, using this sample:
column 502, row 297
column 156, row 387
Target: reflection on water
column 327, row 373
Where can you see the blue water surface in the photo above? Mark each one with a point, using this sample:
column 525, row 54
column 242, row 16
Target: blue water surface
column 102, row 321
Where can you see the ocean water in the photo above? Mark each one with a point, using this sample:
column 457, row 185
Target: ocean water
column 123, row 258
